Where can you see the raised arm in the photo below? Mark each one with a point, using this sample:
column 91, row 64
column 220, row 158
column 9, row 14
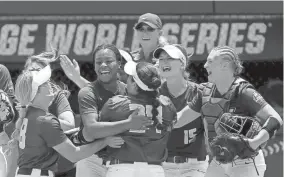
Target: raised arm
column 72, row 71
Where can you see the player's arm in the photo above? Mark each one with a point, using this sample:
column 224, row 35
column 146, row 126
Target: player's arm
column 255, row 104
column 64, row 112
column 190, row 112
column 72, row 71
column 54, row 137
column 93, row 129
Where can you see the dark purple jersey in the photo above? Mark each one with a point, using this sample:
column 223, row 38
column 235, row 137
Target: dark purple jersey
column 93, row 97
column 241, row 99
column 187, row 141
column 140, row 145
column 39, row 134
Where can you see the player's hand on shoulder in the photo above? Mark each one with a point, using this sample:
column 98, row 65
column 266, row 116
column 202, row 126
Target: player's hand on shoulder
column 114, row 141
column 139, row 122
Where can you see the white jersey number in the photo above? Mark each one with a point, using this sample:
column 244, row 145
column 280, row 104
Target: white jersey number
column 189, row 136
column 22, row 141
column 147, row 112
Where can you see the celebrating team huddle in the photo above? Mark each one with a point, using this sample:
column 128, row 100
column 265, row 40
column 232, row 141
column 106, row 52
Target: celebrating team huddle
column 142, row 116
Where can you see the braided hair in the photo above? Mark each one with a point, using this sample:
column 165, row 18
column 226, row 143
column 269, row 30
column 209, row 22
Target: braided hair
column 230, row 54
column 149, row 75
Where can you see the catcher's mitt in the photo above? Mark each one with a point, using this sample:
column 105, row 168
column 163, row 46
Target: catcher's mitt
column 227, row 147
column 231, row 142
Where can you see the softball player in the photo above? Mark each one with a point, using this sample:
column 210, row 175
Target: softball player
column 143, row 150
column 149, row 35
column 187, row 152
column 227, row 92
column 38, row 133
column 91, row 100
column 59, row 107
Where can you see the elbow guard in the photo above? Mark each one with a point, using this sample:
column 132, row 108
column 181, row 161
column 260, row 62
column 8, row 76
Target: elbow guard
column 271, row 126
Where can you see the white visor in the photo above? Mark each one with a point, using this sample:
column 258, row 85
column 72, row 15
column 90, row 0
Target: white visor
column 130, row 69
column 172, row 51
column 39, row 78
column 125, row 55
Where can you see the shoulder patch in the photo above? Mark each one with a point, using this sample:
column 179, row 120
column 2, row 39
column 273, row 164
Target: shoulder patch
column 257, row 97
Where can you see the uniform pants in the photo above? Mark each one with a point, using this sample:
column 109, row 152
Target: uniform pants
column 191, row 168
column 138, row 169
column 240, row 168
column 91, row 167
column 35, row 173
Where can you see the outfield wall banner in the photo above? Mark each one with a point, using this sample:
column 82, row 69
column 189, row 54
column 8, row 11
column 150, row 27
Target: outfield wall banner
column 255, row 37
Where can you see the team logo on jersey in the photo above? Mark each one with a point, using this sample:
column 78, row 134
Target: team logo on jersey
column 257, row 97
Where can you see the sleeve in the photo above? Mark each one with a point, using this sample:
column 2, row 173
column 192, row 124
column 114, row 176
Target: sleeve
column 61, row 104
column 6, row 83
column 115, row 109
column 87, row 101
column 252, row 101
column 51, row 131
column 196, row 103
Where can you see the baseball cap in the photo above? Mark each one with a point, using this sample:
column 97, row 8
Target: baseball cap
column 130, row 69
column 172, row 51
column 125, row 55
column 39, row 78
column 150, row 19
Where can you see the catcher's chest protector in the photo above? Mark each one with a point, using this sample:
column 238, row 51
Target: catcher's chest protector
column 211, row 111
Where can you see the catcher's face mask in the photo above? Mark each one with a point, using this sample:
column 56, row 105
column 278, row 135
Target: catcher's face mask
column 242, row 125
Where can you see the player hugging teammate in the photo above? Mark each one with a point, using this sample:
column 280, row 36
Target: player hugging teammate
column 145, row 127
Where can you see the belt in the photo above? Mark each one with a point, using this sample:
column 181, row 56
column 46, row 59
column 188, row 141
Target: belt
column 182, row 159
column 117, row 161
column 28, row 171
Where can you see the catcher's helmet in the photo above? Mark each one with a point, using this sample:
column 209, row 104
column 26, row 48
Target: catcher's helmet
column 242, row 125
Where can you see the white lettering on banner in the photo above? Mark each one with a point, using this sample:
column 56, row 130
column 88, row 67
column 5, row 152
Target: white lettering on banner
column 236, row 37
column 59, row 37
column 223, row 35
column 9, row 39
column 81, row 46
column 25, row 39
column 186, row 37
column 121, row 35
column 257, row 38
column 106, row 34
column 169, row 29
column 81, row 39
column 206, row 40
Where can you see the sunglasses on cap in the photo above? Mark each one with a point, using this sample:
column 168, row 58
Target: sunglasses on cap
column 146, row 29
